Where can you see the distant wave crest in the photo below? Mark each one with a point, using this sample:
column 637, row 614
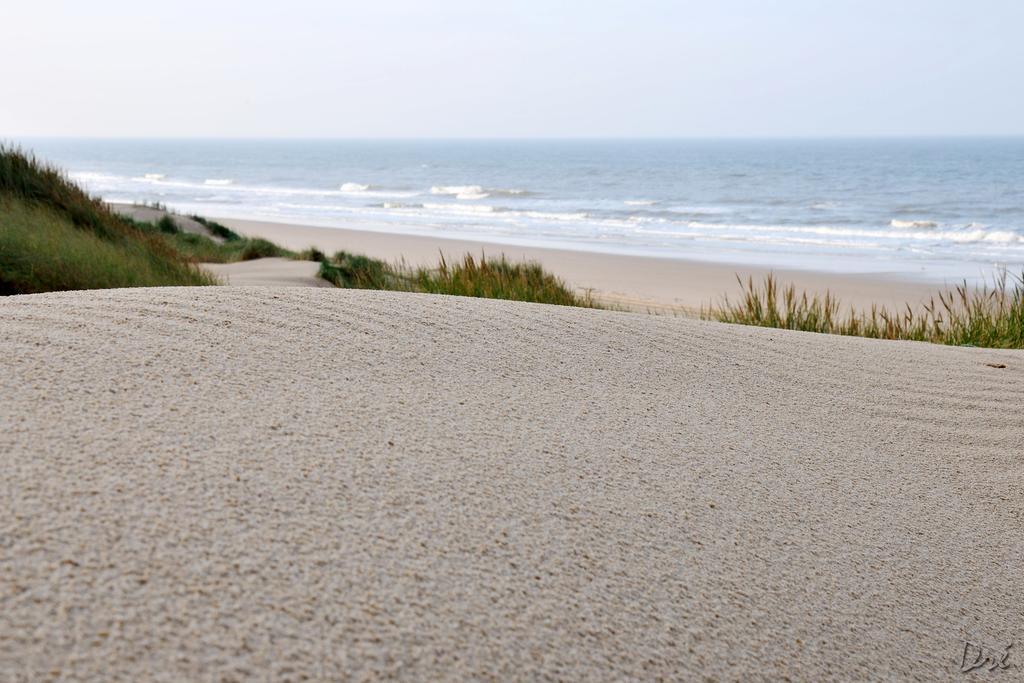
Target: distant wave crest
column 460, row 191
column 912, row 225
column 475, row 191
column 460, row 208
column 218, row 181
column 429, row 208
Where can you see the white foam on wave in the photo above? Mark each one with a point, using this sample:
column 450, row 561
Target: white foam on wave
column 496, row 212
column 460, row 208
column 698, row 210
column 354, row 187
column 997, row 236
column 89, row 176
column 912, row 225
column 370, row 191
column 640, row 202
column 968, row 236
column 460, row 191
column 154, row 176
column 548, row 216
column 228, row 185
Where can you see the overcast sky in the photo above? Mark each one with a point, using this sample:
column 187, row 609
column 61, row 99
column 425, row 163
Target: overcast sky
column 528, row 68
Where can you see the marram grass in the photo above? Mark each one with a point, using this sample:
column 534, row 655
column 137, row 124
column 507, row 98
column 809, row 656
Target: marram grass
column 198, row 248
column 494, row 278
column 54, row 236
column 42, row 251
column 498, row 278
column 990, row 316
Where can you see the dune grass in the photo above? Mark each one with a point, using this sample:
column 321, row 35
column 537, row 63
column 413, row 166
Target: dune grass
column 202, row 249
column 989, row 316
column 198, row 248
column 498, row 279
column 353, row 271
column 54, row 236
column 43, row 251
column 494, row 278
column 311, row 254
column 217, row 229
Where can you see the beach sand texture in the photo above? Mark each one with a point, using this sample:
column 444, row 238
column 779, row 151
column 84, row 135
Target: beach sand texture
column 232, row 483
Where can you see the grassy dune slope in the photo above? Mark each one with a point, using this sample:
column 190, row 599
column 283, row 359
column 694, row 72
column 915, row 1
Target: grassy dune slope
column 54, row 236
column 42, row 251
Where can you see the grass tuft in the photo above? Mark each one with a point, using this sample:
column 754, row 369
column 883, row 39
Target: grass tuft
column 989, row 316
column 354, row 271
column 202, row 249
column 311, row 254
column 498, row 279
column 215, row 228
column 167, row 225
column 485, row 278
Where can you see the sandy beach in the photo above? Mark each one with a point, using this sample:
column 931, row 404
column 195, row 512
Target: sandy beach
column 638, row 283
column 287, row 483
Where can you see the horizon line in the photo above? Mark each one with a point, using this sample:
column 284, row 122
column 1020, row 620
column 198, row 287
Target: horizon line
column 537, row 138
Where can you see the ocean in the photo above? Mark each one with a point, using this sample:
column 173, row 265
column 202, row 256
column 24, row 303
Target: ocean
column 928, row 208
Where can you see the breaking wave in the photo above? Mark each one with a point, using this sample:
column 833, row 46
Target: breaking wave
column 915, row 225
column 460, row 208
column 460, row 191
column 469, row 192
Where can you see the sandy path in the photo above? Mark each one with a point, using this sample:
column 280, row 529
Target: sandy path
column 269, row 272
column 149, row 214
column 229, row 483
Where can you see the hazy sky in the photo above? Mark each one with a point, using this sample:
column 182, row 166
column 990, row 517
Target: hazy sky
column 471, row 68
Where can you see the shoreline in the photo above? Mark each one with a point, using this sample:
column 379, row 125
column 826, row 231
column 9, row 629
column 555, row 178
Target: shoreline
column 662, row 285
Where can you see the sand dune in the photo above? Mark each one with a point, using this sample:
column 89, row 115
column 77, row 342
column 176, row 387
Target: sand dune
column 230, row 483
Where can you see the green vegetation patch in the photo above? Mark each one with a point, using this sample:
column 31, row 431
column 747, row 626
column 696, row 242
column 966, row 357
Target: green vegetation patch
column 498, row 279
column 202, row 249
column 217, row 229
column 495, row 278
column 42, row 250
column 54, row 236
column 989, row 316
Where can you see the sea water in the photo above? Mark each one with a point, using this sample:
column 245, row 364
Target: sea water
column 932, row 208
